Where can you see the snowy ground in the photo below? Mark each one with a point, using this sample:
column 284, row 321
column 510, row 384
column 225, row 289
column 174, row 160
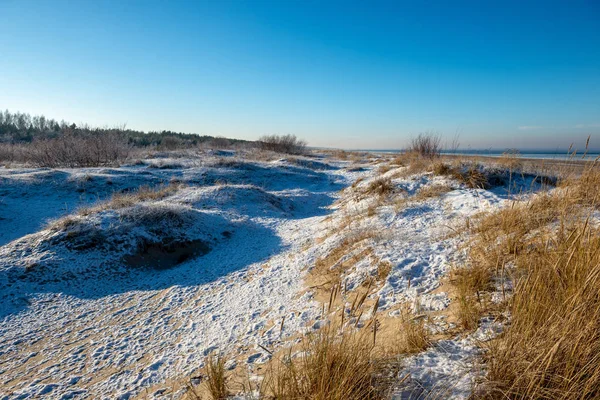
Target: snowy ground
column 78, row 321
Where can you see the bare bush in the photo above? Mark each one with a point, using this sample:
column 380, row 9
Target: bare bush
column 289, row 144
column 84, row 150
column 10, row 152
column 219, row 142
column 170, row 143
column 426, row 144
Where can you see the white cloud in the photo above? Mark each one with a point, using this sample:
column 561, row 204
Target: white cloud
column 581, row 126
column 530, row 127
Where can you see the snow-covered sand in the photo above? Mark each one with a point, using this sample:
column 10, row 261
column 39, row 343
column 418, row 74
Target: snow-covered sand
column 78, row 322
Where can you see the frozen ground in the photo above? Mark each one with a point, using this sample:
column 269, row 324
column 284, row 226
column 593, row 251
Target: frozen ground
column 78, row 320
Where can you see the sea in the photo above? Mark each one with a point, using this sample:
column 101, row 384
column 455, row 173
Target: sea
column 541, row 154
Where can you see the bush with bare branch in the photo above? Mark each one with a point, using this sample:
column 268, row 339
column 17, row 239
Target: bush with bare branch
column 289, row 144
column 72, row 150
column 426, row 144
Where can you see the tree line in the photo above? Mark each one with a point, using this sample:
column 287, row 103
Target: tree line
column 18, row 127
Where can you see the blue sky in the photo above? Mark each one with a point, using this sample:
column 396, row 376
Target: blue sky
column 340, row 74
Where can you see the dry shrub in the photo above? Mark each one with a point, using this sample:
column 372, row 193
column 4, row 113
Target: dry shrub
column 329, row 367
column 288, row 144
column 10, row 152
column 427, row 145
column 78, row 150
column 170, row 143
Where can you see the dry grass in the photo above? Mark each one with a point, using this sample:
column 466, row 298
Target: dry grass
column 129, row 199
column 380, row 187
column 550, row 250
column 120, row 201
column 382, row 169
column 411, row 335
column 441, row 168
column 435, row 190
column 215, row 381
column 470, row 283
column 552, row 347
column 329, row 367
column 473, row 177
column 329, row 269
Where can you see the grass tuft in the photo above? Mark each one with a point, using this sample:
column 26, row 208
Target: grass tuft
column 328, row 366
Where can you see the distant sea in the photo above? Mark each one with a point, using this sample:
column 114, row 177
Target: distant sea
column 543, row 155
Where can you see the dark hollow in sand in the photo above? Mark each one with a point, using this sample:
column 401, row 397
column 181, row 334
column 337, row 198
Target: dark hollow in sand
column 166, row 254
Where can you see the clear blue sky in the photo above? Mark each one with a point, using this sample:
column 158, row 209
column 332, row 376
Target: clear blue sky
column 365, row 74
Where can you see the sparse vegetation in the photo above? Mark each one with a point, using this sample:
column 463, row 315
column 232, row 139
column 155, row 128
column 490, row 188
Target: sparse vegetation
column 131, row 198
column 288, row 144
column 216, row 378
column 380, row 187
column 550, row 250
column 329, row 366
column 44, row 142
column 427, row 145
column 411, row 334
column 430, row 191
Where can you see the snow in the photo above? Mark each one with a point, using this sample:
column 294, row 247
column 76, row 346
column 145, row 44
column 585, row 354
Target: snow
column 77, row 321
column 449, row 369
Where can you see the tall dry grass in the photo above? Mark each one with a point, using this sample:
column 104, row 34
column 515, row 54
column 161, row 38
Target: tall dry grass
column 549, row 249
column 215, row 381
column 551, row 349
column 329, row 367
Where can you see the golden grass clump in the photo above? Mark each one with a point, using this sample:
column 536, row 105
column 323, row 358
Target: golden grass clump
column 549, row 248
column 472, row 177
column 129, row 199
column 469, row 284
column 382, row 169
column 380, row 187
column 329, row 367
column 411, row 334
column 551, row 349
column 441, row 168
column 435, row 190
column 215, row 381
